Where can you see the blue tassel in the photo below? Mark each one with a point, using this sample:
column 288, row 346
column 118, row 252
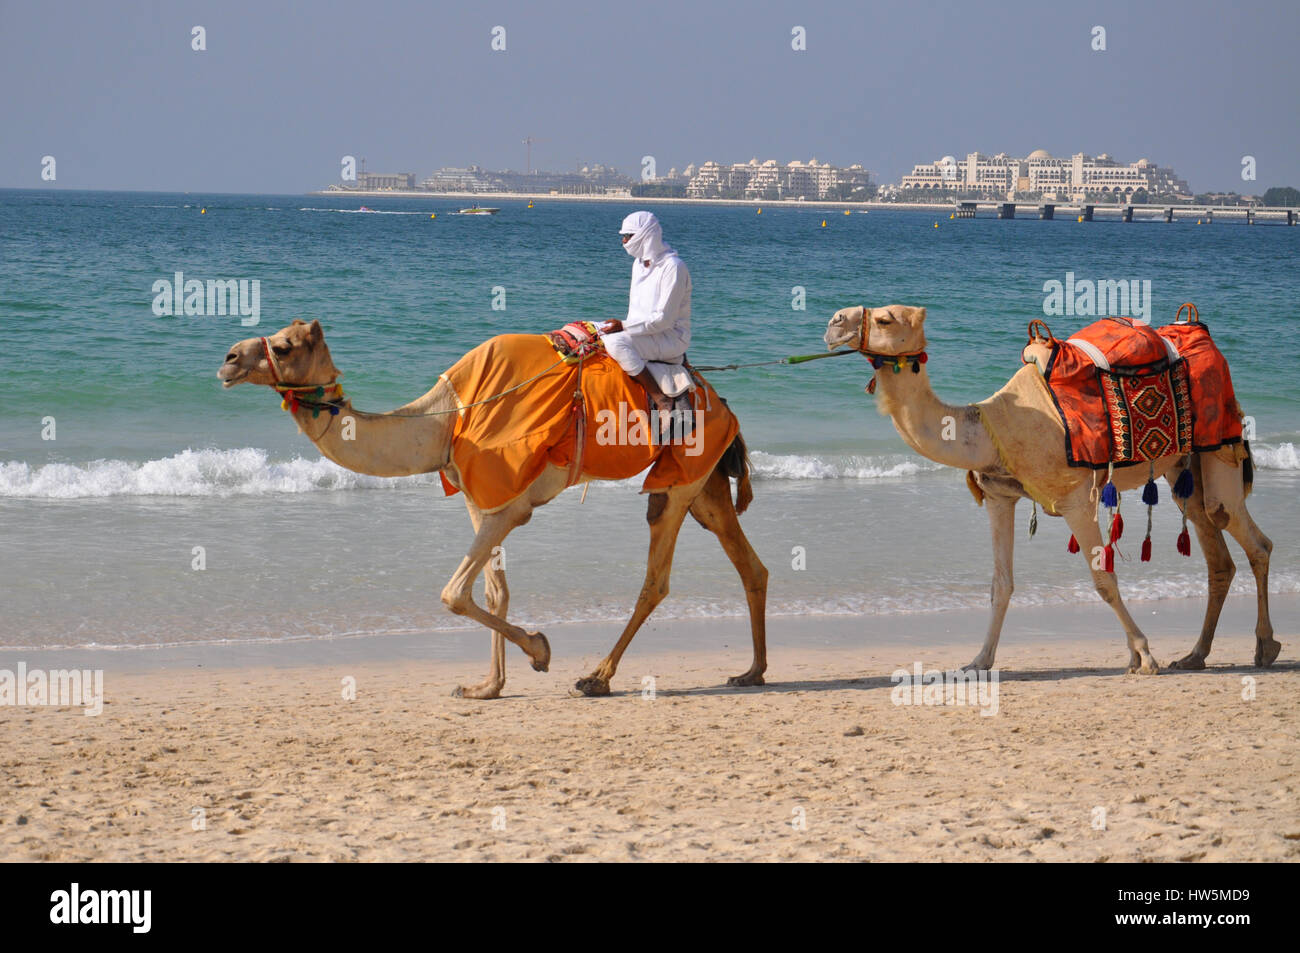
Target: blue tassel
column 1184, row 486
column 1150, row 495
column 1109, row 495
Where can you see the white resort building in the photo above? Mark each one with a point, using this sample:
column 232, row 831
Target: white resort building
column 1077, row 177
column 795, row 180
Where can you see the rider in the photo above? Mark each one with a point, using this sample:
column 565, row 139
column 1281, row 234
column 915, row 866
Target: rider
column 658, row 323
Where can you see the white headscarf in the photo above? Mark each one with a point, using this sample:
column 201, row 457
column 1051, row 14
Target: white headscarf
column 647, row 241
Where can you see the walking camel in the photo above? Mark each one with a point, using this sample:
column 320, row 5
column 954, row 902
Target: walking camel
column 417, row 438
column 924, row 421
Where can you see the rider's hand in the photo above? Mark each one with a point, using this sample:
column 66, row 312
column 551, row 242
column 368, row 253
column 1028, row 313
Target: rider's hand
column 612, row 327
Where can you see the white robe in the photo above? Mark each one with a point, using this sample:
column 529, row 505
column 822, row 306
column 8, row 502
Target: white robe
column 658, row 323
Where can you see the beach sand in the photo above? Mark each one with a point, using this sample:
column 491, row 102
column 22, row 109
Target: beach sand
column 1081, row 762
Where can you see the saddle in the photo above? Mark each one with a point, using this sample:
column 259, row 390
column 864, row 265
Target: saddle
column 1128, row 393
column 579, row 340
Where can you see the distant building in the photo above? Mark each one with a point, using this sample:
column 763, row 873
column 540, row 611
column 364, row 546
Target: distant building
column 1077, row 177
column 376, row 181
column 768, row 179
column 593, row 179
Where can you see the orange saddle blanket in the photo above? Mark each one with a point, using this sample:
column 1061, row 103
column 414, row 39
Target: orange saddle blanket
column 1128, row 393
column 500, row 447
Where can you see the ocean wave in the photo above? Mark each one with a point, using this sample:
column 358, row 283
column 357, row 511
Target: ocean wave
column 769, row 466
column 219, row 473
column 1281, row 457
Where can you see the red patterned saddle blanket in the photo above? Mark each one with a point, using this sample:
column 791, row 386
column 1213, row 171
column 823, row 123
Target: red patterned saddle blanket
column 1128, row 393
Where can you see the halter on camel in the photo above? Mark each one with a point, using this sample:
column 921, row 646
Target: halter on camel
column 293, row 396
column 880, row 359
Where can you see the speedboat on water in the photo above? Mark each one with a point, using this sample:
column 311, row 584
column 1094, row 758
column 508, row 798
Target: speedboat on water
column 478, row 210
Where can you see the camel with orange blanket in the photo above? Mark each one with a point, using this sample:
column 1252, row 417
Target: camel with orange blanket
column 513, row 426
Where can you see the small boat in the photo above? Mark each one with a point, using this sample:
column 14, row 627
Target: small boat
column 478, row 210
column 364, row 209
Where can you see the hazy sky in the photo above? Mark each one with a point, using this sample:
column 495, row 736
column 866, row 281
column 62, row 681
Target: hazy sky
column 115, row 93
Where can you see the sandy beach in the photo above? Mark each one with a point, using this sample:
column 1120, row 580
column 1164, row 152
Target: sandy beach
column 236, row 755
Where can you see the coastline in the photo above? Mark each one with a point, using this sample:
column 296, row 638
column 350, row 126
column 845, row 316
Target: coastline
column 664, row 200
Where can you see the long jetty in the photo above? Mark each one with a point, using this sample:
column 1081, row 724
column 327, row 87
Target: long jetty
column 1091, row 212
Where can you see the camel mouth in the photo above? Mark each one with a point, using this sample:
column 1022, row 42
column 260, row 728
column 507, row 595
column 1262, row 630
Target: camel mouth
column 229, row 375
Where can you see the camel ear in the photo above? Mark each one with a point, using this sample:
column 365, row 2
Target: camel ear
column 915, row 316
column 314, row 332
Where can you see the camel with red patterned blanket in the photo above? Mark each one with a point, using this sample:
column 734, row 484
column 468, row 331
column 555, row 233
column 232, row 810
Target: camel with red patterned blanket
column 1013, row 445
column 434, row 433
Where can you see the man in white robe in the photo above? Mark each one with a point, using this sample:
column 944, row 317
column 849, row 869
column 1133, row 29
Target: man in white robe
column 658, row 323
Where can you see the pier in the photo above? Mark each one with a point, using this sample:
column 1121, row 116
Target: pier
column 1128, row 212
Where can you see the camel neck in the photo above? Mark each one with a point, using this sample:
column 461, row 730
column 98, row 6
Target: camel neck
column 415, row 438
column 946, row 433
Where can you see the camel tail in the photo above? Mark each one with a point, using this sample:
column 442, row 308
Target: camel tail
column 1247, row 470
column 735, row 463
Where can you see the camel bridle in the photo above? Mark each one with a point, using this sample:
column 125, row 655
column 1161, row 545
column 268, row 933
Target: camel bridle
column 881, row 359
column 313, row 397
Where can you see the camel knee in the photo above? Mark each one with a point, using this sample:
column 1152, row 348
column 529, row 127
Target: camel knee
column 1107, row 589
column 456, row 598
column 1221, row 578
column 1002, row 588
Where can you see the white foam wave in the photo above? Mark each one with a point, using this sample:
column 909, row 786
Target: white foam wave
column 243, row 472
column 768, row 466
column 1281, row 457
column 359, row 211
column 249, row 471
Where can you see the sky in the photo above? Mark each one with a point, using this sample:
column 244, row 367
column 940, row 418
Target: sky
column 118, row 96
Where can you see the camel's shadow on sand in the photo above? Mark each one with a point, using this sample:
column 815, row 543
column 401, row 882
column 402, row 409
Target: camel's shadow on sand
column 885, row 683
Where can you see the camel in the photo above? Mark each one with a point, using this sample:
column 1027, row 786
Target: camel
column 417, row 437
column 923, row 421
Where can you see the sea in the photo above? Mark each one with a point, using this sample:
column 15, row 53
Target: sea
column 141, row 505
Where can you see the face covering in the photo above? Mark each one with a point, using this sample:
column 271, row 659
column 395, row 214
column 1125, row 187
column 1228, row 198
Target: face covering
column 647, row 241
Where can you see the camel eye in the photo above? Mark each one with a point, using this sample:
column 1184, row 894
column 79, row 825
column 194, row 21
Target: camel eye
column 281, row 349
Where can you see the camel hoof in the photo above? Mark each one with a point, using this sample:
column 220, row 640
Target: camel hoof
column 593, row 685
column 484, row 691
column 748, row 680
column 1266, row 652
column 977, row 665
column 1191, row 662
column 542, row 664
column 1147, row 668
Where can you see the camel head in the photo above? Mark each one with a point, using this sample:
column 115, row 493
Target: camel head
column 894, row 329
column 300, row 356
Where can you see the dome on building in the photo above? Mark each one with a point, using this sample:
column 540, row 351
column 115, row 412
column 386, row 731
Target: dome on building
column 1039, row 154
column 947, row 160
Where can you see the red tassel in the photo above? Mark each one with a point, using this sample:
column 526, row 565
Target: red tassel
column 1146, row 550
column 1184, row 543
column 1073, row 547
column 1116, row 528
column 1109, row 564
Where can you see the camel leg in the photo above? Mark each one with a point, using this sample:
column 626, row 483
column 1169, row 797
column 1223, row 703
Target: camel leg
column 714, row 511
column 1082, row 517
column 1002, row 522
column 664, row 513
column 1219, row 566
column 1225, row 506
column 458, row 594
column 498, row 601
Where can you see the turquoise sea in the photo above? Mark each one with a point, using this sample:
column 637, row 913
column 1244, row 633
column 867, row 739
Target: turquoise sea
column 150, row 458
